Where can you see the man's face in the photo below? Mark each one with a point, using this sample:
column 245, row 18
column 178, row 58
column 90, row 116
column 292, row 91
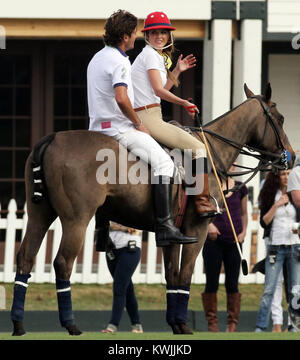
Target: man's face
column 129, row 40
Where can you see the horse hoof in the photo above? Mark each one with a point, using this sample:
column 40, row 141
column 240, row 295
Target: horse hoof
column 73, row 330
column 185, row 329
column 176, row 329
column 18, row 328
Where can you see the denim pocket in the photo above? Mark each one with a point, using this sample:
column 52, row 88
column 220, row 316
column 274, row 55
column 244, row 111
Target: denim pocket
column 296, row 252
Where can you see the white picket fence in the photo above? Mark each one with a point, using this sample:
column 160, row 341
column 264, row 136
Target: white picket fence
column 90, row 267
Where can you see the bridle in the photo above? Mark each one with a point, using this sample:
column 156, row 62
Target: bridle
column 279, row 161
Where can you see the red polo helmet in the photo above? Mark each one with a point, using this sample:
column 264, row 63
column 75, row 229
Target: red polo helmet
column 157, row 20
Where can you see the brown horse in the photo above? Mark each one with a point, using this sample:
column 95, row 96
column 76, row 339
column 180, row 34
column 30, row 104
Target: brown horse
column 73, row 193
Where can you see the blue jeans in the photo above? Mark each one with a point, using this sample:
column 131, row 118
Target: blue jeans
column 284, row 253
column 122, row 269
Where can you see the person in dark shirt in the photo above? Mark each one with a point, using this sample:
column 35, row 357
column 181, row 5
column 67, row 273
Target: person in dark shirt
column 220, row 246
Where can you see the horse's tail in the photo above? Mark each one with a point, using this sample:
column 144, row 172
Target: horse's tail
column 39, row 187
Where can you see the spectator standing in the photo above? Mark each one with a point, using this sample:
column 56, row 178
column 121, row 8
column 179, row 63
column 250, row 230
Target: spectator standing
column 277, row 216
column 122, row 261
column 220, row 246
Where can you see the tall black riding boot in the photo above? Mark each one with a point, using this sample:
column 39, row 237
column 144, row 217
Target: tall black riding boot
column 165, row 231
column 101, row 234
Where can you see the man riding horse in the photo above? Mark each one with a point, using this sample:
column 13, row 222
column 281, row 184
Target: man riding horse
column 111, row 99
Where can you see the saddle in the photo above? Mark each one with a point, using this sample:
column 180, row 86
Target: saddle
column 179, row 173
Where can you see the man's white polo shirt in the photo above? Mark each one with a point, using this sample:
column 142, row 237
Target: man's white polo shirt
column 110, row 67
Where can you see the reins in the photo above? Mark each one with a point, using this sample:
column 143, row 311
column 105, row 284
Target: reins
column 280, row 160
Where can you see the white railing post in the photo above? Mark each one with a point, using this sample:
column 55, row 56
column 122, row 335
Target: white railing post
column 151, row 259
column 9, row 253
column 88, row 253
column 57, row 233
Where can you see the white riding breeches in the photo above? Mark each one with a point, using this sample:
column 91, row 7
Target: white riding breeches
column 146, row 148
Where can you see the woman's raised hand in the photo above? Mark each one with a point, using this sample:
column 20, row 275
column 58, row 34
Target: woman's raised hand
column 186, row 63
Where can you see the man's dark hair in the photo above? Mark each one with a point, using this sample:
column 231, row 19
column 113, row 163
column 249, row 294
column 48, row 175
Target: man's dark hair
column 120, row 23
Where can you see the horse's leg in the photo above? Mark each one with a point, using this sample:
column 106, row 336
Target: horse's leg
column 71, row 244
column 188, row 259
column 171, row 261
column 40, row 218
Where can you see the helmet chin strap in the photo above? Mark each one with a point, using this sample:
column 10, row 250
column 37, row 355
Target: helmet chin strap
column 161, row 48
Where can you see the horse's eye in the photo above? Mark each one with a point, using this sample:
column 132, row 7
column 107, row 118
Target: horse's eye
column 281, row 119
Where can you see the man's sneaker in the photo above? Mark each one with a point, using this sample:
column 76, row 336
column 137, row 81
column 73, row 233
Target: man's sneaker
column 137, row 328
column 111, row 328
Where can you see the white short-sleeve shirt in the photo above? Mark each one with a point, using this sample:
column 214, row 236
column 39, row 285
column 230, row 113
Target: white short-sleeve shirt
column 148, row 59
column 110, row 67
column 285, row 217
column 121, row 238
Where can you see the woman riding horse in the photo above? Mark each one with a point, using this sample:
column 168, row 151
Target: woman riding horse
column 152, row 81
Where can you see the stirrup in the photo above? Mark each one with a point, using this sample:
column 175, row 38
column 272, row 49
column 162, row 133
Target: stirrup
column 219, row 211
column 212, row 213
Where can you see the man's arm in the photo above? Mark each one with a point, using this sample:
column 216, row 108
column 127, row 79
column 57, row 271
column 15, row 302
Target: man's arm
column 125, row 106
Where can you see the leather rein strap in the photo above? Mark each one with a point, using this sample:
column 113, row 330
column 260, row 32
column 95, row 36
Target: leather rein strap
column 263, row 165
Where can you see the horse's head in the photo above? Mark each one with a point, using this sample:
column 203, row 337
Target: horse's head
column 270, row 135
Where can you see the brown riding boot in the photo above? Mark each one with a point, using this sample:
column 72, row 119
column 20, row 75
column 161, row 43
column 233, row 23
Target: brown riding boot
column 233, row 311
column 203, row 204
column 209, row 301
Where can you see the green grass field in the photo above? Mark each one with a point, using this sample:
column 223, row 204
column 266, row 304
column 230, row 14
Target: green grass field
column 153, row 336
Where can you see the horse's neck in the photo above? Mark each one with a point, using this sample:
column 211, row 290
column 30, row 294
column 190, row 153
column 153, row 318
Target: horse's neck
column 236, row 125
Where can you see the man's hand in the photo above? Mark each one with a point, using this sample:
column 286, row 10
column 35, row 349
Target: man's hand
column 143, row 128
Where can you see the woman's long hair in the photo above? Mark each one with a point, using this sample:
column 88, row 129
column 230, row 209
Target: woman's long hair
column 268, row 192
column 169, row 52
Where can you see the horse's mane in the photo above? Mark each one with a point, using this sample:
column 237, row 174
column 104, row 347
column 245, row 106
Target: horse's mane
column 223, row 115
column 186, row 128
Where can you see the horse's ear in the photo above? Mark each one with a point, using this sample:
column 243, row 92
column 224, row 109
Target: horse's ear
column 248, row 92
column 268, row 92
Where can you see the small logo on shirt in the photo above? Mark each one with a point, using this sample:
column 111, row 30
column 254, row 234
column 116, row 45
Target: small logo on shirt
column 105, row 125
column 124, row 73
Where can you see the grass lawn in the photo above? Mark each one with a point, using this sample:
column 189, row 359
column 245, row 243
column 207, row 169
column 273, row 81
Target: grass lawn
column 150, row 297
column 153, row 336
